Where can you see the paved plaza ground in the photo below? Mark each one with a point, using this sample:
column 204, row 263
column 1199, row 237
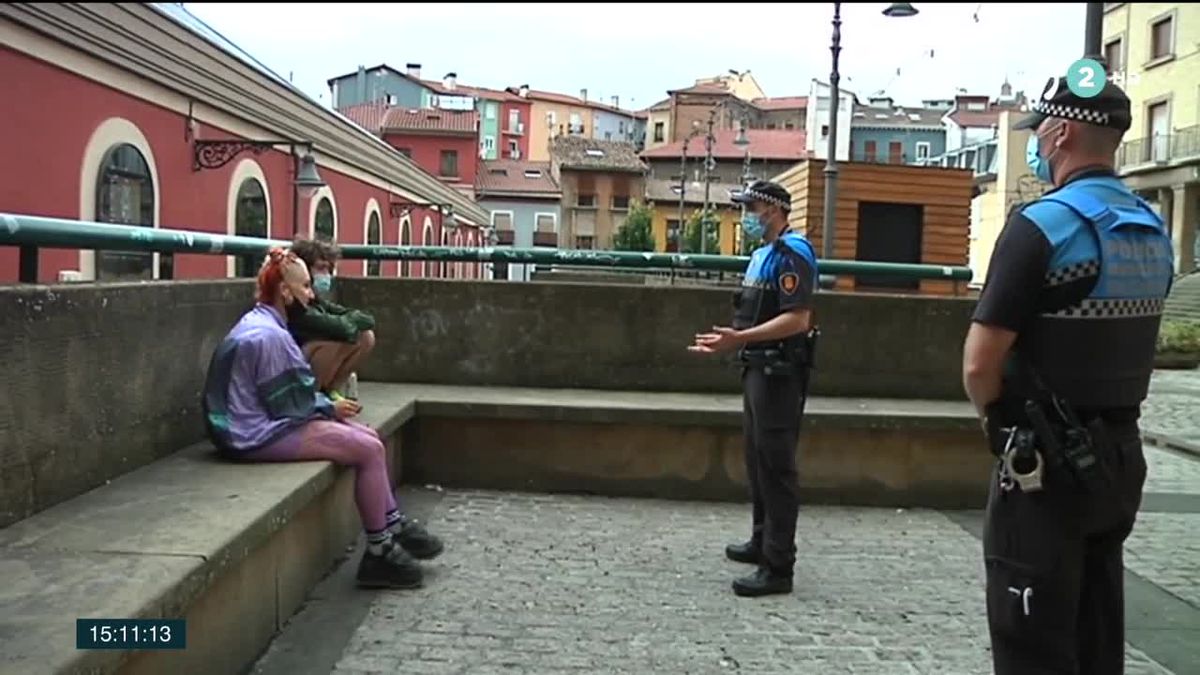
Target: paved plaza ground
column 563, row 584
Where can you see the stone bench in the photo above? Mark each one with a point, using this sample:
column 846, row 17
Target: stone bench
column 235, row 548
column 877, row 452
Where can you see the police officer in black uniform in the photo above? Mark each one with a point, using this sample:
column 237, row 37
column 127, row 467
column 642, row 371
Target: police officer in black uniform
column 773, row 335
column 1057, row 361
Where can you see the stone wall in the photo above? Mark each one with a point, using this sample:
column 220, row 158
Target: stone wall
column 635, row 337
column 102, row 379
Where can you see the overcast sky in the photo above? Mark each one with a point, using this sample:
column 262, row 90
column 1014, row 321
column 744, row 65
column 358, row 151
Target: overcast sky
column 640, row 50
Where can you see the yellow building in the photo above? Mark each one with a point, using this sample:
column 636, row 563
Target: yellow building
column 1152, row 51
column 663, row 198
column 1002, row 181
column 554, row 115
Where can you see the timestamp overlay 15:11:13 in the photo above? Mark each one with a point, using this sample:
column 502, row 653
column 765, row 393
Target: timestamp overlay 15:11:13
column 133, row 634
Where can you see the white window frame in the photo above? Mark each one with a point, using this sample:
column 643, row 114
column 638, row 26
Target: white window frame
column 324, row 191
column 553, row 216
column 372, row 207
column 928, row 148
column 426, row 238
column 112, row 132
column 246, row 169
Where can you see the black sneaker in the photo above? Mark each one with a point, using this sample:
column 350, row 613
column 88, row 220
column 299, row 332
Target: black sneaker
column 763, row 582
column 417, row 541
column 748, row 552
column 393, row 568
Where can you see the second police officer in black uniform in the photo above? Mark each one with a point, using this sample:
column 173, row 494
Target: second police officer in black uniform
column 1058, row 361
column 772, row 330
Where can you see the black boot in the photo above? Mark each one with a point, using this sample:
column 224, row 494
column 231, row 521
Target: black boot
column 749, row 552
column 392, row 568
column 765, row 581
column 416, row 540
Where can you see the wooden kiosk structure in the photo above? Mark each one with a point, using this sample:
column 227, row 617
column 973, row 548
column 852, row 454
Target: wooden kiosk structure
column 887, row 213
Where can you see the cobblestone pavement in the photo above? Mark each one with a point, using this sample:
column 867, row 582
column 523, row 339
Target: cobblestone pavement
column 1169, row 471
column 1173, row 406
column 548, row 584
column 1165, row 550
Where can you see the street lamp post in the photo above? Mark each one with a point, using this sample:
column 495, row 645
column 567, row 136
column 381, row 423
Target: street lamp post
column 708, row 162
column 683, row 184
column 896, row 9
column 742, row 142
column 1093, row 28
column 831, row 168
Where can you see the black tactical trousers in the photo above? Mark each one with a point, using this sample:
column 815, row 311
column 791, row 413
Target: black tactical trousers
column 1055, row 587
column 771, row 426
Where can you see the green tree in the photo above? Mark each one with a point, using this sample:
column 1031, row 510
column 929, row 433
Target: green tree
column 635, row 234
column 693, row 229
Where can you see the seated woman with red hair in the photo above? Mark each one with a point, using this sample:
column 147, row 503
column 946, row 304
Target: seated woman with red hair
column 261, row 404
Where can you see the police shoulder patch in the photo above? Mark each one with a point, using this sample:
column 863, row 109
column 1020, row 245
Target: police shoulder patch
column 788, row 281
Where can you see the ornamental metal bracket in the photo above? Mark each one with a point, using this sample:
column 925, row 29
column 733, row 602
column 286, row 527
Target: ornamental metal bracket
column 402, row 210
column 216, row 154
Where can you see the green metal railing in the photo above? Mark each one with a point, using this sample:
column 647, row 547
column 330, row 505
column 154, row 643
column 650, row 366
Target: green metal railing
column 33, row 232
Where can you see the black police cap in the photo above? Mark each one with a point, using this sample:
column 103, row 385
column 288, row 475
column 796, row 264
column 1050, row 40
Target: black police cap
column 1110, row 108
column 763, row 191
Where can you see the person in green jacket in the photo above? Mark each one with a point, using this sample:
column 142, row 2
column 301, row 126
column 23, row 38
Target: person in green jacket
column 335, row 339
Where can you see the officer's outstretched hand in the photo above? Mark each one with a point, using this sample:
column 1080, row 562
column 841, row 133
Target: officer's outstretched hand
column 722, row 338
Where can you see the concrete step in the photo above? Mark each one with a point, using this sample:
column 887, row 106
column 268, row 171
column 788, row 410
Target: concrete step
column 1183, row 304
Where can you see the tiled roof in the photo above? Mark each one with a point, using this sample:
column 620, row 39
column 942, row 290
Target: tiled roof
column 516, row 177
column 713, row 89
column 664, row 104
column 382, row 66
column 984, row 118
column 564, row 99
column 666, row 192
column 478, row 92
column 781, row 103
column 429, row 119
column 590, row 154
column 366, row 115
column 765, row 144
column 866, row 117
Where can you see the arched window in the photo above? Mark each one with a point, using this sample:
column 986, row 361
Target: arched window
column 323, row 224
column 472, row 268
column 426, row 240
column 445, row 266
column 125, row 195
column 373, row 239
column 456, row 271
column 249, row 220
column 405, row 240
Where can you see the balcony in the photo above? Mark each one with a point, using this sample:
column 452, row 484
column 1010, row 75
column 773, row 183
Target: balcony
column 980, row 158
column 881, row 158
column 1161, row 151
column 515, row 130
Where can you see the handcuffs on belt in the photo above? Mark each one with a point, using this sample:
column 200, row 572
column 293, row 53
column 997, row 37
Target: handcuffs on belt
column 1019, row 440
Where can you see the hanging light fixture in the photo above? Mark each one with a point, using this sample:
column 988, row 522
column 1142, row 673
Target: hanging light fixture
column 900, row 10
column 308, row 181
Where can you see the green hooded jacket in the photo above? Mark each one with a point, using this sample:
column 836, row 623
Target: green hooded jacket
column 324, row 320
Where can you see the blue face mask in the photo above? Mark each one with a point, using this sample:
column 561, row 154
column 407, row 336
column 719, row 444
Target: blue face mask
column 1039, row 165
column 753, row 226
column 322, row 283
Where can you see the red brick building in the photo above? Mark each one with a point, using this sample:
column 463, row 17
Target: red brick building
column 112, row 129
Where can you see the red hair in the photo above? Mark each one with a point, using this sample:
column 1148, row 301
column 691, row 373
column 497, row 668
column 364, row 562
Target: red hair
column 270, row 275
